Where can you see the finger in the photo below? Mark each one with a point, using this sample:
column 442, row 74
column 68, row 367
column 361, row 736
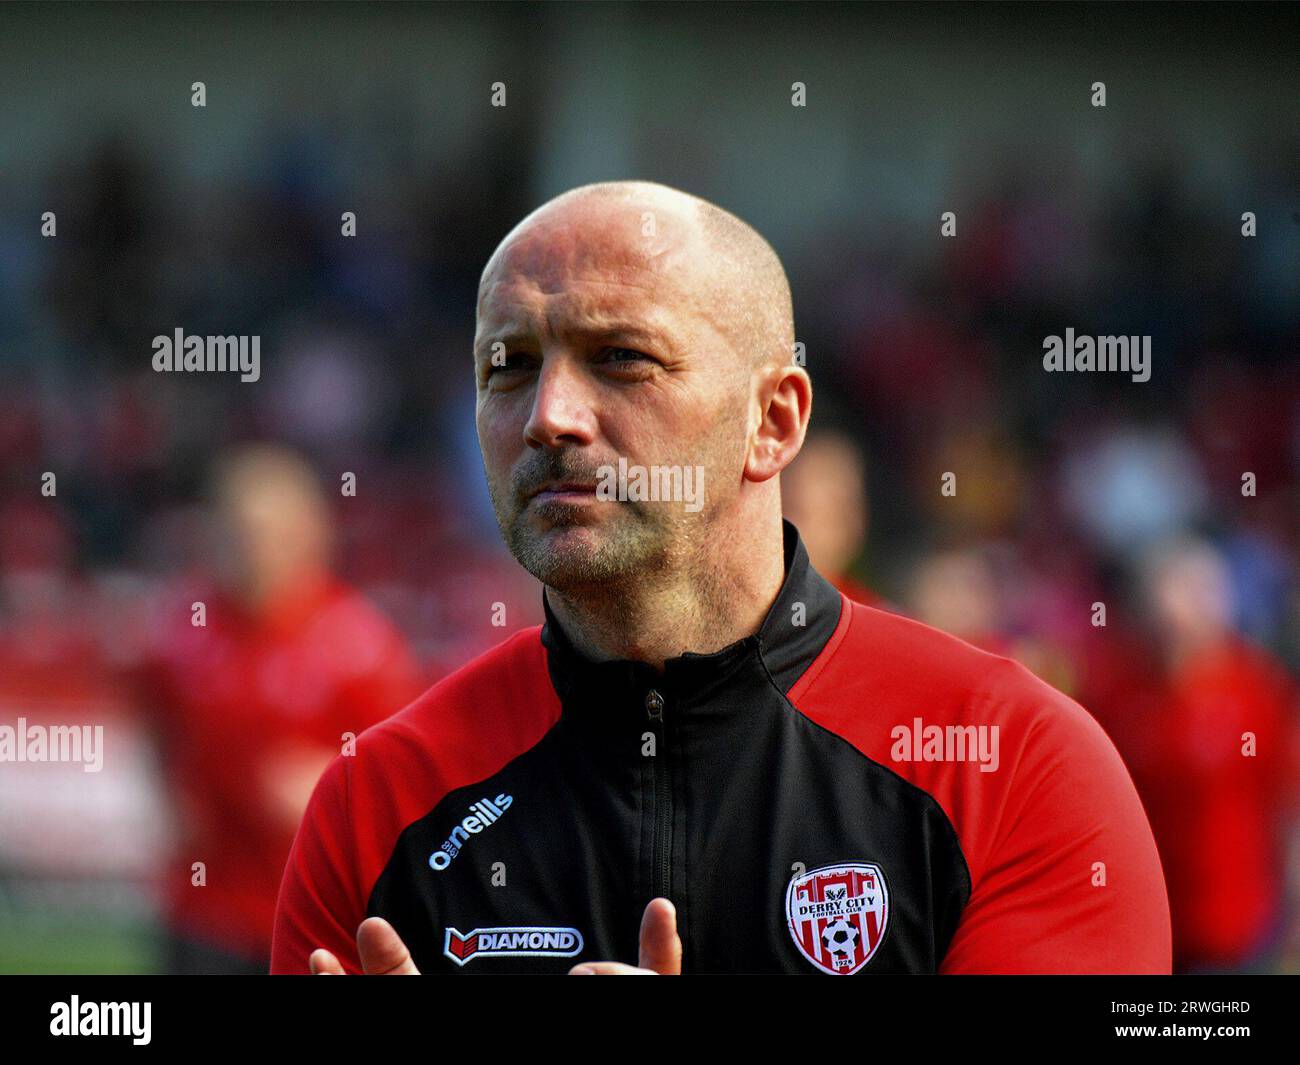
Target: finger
column 323, row 963
column 661, row 947
column 609, row 968
column 382, row 951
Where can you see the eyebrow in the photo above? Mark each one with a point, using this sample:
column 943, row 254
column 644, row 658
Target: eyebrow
column 604, row 329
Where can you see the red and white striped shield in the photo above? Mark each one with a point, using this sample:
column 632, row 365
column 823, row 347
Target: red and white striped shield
column 837, row 915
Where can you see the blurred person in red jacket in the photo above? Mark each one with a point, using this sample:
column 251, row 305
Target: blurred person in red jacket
column 1218, row 777
column 824, row 493
column 956, row 590
column 252, row 704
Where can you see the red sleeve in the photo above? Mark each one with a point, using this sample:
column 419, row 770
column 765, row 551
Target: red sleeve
column 320, row 903
column 464, row 728
column 1072, row 881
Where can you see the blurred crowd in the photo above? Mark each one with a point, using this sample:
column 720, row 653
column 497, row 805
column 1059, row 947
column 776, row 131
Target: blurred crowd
column 1104, row 532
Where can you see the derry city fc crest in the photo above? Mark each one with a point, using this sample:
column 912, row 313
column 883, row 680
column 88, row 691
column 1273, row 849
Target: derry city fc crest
column 838, row 914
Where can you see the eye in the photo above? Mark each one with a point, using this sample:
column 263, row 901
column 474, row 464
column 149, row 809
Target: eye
column 514, row 360
column 624, row 356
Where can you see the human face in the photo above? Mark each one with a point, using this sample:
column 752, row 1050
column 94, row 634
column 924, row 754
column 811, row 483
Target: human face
column 610, row 348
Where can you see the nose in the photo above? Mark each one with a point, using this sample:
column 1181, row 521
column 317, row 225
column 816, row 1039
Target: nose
column 562, row 413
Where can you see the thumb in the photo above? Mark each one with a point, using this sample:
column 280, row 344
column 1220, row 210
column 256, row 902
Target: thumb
column 661, row 947
column 382, row 951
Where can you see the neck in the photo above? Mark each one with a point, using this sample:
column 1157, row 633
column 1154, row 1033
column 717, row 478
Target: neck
column 707, row 605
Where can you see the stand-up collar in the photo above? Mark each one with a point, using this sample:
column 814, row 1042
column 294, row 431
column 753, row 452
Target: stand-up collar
column 800, row 621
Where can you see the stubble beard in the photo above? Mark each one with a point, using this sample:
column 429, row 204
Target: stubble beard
column 575, row 556
column 641, row 542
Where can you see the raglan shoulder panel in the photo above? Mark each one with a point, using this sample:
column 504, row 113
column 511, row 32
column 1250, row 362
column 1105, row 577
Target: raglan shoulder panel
column 464, row 728
column 1064, row 870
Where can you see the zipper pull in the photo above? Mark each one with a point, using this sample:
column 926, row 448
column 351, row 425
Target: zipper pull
column 654, row 705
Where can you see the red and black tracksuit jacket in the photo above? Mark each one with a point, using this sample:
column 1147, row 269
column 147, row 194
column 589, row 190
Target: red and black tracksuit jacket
column 815, row 798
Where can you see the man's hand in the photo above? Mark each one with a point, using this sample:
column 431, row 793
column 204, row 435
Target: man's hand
column 661, row 947
column 383, row 953
column 380, row 948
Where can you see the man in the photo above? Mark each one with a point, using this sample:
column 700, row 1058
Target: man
column 253, row 703
column 704, row 760
column 824, row 494
column 1208, row 728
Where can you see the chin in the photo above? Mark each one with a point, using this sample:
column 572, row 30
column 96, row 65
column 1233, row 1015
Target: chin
column 568, row 556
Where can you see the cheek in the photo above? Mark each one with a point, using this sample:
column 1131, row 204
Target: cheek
column 498, row 435
column 724, row 429
column 665, row 422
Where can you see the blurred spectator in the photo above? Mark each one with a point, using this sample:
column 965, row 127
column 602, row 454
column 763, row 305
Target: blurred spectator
column 1219, row 772
column 252, row 703
column 824, row 492
column 957, row 591
column 1134, row 485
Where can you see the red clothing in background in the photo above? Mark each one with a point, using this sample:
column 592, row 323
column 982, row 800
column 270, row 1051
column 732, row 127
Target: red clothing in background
column 237, row 703
column 1218, row 815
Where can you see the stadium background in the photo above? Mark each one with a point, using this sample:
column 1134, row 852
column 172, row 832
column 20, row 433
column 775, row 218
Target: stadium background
column 925, row 353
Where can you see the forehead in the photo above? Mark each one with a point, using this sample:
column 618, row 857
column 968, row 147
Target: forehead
column 591, row 272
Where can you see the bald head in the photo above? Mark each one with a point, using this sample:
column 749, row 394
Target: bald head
column 628, row 325
column 719, row 262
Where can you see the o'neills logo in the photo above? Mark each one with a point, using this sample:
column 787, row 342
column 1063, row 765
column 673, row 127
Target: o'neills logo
column 485, row 812
column 519, row 942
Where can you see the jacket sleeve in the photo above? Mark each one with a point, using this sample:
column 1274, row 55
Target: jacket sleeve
column 320, row 903
column 1071, row 882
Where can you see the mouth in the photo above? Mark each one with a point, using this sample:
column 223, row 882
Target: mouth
column 564, row 492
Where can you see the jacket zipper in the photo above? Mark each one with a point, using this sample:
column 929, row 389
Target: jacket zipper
column 654, row 707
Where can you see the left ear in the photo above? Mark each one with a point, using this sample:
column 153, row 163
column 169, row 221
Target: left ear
column 784, row 398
